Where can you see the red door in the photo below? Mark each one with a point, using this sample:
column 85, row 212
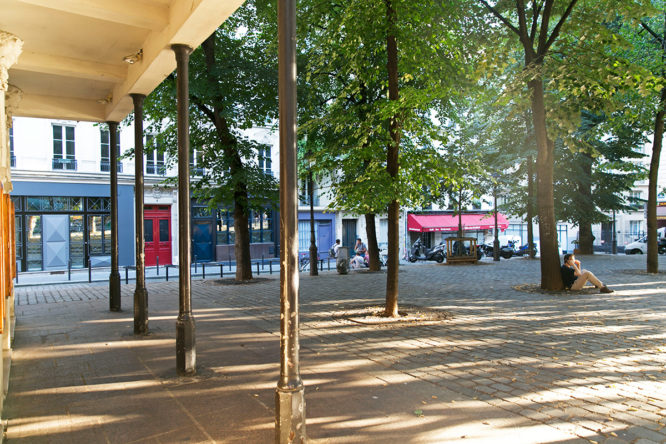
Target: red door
column 157, row 234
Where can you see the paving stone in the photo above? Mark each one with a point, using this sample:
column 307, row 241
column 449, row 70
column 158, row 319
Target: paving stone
column 501, row 355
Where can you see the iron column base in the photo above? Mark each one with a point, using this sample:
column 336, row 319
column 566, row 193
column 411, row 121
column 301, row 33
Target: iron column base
column 140, row 311
column 186, row 352
column 114, row 291
column 290, row 416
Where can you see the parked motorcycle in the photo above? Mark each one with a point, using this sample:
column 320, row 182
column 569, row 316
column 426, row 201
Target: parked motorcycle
column 522, row 250
column 420, row 253
column 505, row 252
column 661, row 246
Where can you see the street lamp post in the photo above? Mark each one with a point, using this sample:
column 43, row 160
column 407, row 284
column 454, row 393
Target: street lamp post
column 614, row 244
column 496, row 243
column 313, row 246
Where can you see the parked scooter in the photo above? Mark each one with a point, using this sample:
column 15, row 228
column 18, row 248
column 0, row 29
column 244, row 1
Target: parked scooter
column 420, row 253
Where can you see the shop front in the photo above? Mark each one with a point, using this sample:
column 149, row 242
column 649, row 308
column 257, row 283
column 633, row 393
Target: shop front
column 447, row 223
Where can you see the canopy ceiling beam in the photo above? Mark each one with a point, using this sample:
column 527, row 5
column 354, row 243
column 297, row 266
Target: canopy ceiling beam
column 66, row 108
column 127, row 12
column 65, row 66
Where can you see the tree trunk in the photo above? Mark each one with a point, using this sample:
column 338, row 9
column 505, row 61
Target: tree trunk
column 228, row 143
column 652, row 254
column 460, row 227
column 242, row 242
column 585, row 238
column 550, row 255
column 530, row 206
column 392, row 167
column 373, row 247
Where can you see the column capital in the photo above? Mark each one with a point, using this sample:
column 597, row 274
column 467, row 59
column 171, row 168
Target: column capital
column 10, row 49
column 13, row 97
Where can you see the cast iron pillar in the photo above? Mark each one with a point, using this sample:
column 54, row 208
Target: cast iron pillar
column 290, row 393
column 140, row 294
column 186, row 356
column 114, row 276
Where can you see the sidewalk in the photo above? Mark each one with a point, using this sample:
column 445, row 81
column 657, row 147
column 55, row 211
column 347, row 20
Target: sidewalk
column 510, row 366
column 212, row 270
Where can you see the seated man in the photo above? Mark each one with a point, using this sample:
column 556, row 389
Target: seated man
column 575, row 279
column 357, row 261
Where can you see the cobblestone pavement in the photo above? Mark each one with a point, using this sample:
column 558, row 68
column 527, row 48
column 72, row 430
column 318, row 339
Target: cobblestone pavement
column 510, row 366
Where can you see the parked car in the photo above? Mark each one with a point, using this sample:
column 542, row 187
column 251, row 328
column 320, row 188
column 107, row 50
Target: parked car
column 637, row 247
column 640, row 246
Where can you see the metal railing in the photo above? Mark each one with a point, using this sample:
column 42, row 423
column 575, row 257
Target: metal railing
column 105, row 166
column 64, row 164
column 156, row 168
column 197, row 171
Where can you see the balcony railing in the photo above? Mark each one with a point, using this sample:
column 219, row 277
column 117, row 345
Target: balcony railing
column 157, row 169
column 197, row 171
column 64, row 164
column 105, row 166
column 12, row 161
column 305, row 200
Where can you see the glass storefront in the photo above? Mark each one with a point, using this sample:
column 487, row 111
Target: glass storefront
column 89, row 228
column 260, row 224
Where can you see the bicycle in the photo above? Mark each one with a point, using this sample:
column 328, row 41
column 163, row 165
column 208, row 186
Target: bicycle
column 303, row 263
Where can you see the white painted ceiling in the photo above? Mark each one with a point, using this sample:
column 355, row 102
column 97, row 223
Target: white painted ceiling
column 73, row 50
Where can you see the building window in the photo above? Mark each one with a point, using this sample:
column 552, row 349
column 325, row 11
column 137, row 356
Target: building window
column 636, row 228
column 12, row 157
column 304, row 193
column 260, row 225
column 264, row 159
column 196, row 164
column 225, row 227
column 89, row 228
column 64, row 156
column 304, row 234
column 154, row 158
column 105, row 163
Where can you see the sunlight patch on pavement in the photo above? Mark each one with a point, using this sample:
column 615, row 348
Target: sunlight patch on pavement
column 48, row 425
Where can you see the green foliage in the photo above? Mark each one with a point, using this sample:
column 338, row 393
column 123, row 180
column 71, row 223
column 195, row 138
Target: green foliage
column 604, row 162
column 232, row 88
column 586, row 67
column 346, row 111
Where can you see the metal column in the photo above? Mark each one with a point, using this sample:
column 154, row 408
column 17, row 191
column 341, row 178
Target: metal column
column 186, row 357
column 313, row 245
column 114, row 276
column 140, row 294
column 290, row 393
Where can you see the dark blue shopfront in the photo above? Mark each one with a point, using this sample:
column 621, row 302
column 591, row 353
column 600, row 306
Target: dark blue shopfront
column 324, row 224
column 214, row 234
column 62, row 223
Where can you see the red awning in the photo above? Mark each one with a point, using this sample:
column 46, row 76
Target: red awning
column 447, row 222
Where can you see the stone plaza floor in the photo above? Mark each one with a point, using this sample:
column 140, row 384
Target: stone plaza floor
column 511, row 365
